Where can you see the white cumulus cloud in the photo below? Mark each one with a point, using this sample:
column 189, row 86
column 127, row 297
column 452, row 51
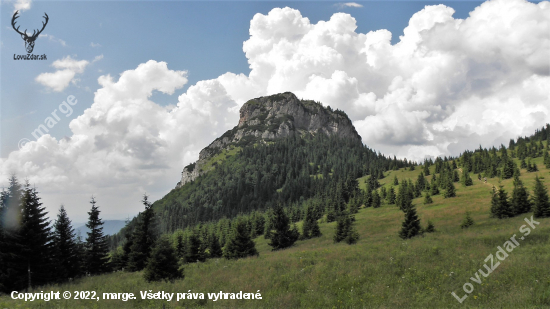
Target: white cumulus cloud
column 448, row 85
column 22, row 5
column 67, row 68
column 349, row 5
column 125, row 144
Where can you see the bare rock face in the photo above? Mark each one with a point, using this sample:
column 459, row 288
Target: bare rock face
column 273, row 117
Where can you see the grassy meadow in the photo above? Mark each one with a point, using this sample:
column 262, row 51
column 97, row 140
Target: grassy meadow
column 380, row 271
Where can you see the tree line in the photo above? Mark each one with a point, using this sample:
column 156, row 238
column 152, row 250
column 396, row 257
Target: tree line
column 34, row 251
column 261, row 175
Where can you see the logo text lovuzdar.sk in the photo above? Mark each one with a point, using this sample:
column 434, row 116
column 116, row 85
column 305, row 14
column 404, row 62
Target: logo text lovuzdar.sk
column 29, row 39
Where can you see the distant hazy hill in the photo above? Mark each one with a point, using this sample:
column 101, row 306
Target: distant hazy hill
column 110, row 227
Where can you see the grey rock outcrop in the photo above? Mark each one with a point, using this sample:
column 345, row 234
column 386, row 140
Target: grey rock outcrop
column 273, row 117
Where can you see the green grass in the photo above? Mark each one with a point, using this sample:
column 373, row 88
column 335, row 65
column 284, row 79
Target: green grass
column 219, row 158
column 380, row 271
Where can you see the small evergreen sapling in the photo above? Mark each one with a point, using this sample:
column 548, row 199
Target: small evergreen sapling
column 450, row 190
column 345, row 231
column 411, row 224
column 466, row 179
column 430, row 228
column 391, row 196
column 240, row 244
column 375, row 199
column 468, row 221
column 456, row 178
column 541, row 202
column 426, row 169
column 434, row 188
column 428, row 198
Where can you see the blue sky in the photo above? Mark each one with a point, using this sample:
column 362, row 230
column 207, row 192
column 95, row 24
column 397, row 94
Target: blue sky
column 155, row 82
column 203, row 38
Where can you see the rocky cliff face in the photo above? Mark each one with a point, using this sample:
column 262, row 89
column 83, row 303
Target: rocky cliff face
column 273, row 117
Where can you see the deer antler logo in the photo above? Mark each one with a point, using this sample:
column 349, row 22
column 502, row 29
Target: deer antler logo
column 29, row 40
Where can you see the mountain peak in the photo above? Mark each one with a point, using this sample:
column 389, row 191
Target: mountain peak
column 273, row 117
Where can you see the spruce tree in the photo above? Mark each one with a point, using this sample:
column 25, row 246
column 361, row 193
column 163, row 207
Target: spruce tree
column 541, row 203
column 214, row 246
column 367, row 197
column 116, row 259
column 468, row 221
column 426, row 169
column 520, row 198
column 143, row 238
column 126, row 248
column 375, row 199
column 341, row 230
column 383, row 193
column 269, row 224
column 65, row 257
column 310, row 228
column 411, row 224
column 282, row 236
column 239, row 244
column 80, row 253
column 3, row 254
column 403, row 199
column 428, row 198
column 395, row 180
column 546, row 159
column 35, row 238
column 12, row 270
column 430, row 228
column 500, row 206
column 508, row 169
column 163, row 263
column 421, row 182
column 332, row 211
column 466, row 179
column 194, row 251
column 96, row 243
column 434, row 188
column 391, row 196
column 416, row 190
column 181, row 245
column 450, row 190
column 258, row 224
column 456, row 178
column 353, row 205
column 345, row 231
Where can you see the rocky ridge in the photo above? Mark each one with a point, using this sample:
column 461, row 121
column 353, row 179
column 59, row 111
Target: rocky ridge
column 273, row 117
